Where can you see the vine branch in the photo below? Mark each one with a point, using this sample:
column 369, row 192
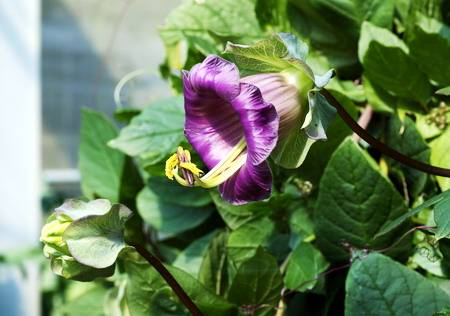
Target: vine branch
column 388, row 151
column 168, row 277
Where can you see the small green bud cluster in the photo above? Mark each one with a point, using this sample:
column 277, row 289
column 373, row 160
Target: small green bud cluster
column 304, row 186
column 438, row 116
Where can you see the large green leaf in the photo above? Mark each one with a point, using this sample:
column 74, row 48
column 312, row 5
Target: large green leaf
column 154, row 133
column 244, row 241
column 213, row 270
column 404, row 137
column 257, row 285
column 97, row 240
column 101, row 167
column 387, row 63
column 204, row 26
column 190, row 259
column 377, row 285
column 304, row 267
column 171, row 208
column 148, row 294
column 354, row 202
column 379, row 99
column 440, row 149
column 333, row 25
column 85, row 300
column 429, row 43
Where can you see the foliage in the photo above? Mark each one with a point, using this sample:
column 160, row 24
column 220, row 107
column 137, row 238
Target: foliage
column 335, row 203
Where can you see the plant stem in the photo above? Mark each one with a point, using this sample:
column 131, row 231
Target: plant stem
column 388, row 151
column 176, row 287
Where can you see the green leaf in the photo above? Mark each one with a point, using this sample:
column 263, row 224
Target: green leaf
column 158, row 207
column 444, row 91
column 124, row 115
column 257, row 284
column 305, row 265
column 387, row 63
column 377, row 285
column 319, row 154
column 148, row 294
column 429, row 44
column 77, row 209
column 237, row 215
column 354, row 202
column 101, row 167
column 292, row 150
column 190, row 259
column 154, row 133
column 97, row 240
column 88, row 302
column 440, row 149
column 380, row 100
column 300, row 221
column 404, row 137
column 283, row 51
column 442, row 218
column 348, row 88
column 204, row 26
column 244, row 242
column 391, row 225
column 69, row 268
column 275, row 54
column 333, row 26
column 320, row 115
column 213, row 270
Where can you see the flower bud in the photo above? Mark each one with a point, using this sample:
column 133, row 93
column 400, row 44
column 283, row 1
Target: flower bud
column 52, row 232
column 55, row 247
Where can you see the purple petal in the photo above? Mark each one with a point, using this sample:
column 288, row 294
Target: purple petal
column 219, row 112
column 212, row 125
column 215, row 75
column 250, row 183
column 260, row 122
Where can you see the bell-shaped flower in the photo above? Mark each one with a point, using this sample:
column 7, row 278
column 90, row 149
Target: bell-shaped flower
column 234, row 124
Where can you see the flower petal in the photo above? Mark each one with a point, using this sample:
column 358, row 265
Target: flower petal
column 250, row 183
column 215, row 75
column 260, row 122
column 212, row 125
column 284, row 96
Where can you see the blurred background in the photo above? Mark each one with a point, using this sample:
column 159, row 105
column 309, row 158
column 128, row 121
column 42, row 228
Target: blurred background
column 56, row 57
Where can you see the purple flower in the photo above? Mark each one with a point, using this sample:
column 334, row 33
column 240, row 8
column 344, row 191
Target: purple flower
column 233, row 123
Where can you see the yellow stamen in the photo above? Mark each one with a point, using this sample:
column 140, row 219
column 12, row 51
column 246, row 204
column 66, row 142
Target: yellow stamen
column 171, row 164
column 225, row 169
